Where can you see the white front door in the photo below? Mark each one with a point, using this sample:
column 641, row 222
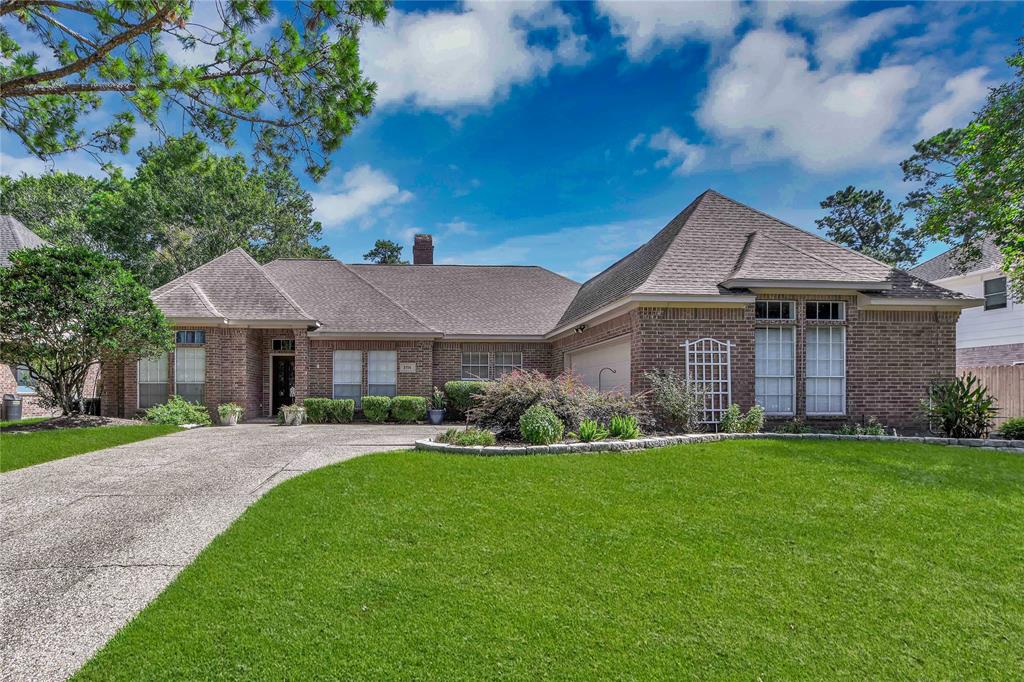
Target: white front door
column 604, row 366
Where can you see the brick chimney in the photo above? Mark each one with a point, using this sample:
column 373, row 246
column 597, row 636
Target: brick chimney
column 423, row 250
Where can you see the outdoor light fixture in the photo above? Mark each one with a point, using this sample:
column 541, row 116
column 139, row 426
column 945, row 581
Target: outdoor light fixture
column 580, row 329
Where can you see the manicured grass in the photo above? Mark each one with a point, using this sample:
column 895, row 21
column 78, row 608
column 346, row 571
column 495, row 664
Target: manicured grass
column 19, row 450
column 739, row 560
column 22, row 422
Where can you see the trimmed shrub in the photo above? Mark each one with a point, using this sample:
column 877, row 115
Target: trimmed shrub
column 376, row 408
column 678, row 402
column 540, row 426
column 624, row 427
column 961, row 408
column 461, row 396
column 407, row 408
column 1013, row 428
column 329, row 411
column 178, row 411
column 468, row 436
column 589, row 431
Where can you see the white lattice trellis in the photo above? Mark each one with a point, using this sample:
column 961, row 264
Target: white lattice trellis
column 709, row 364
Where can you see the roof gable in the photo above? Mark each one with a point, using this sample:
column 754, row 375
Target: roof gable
column 14, row 236
column 232, row 286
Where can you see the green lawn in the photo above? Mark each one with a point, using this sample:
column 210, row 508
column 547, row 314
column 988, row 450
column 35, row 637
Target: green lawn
column 19, row 450
column 21, row 422
column 741, row 560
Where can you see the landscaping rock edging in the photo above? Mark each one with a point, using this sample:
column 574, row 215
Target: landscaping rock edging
column 1003, row 445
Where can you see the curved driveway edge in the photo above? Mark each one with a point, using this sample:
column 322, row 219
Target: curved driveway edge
column 87, row 541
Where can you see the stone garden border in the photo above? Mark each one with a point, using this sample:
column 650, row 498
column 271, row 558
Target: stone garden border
column 1004, row 445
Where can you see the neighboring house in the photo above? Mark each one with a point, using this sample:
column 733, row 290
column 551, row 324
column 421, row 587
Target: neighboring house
column 992, row 334
column 756, row 309
column 15, row 379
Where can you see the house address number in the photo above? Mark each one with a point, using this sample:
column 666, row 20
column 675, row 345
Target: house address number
column 407, row 367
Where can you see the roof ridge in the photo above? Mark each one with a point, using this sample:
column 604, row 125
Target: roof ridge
column 786, row 244
column 204, row 299
column 272, row 283
column 382, row 293
column 741, row 262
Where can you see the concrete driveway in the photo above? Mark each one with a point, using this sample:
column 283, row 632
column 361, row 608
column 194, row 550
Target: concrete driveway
column 87, row 541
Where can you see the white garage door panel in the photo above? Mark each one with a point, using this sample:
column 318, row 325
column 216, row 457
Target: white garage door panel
column 589, row 362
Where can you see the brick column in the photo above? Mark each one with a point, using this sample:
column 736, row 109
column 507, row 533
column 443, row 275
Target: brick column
column 301, row 366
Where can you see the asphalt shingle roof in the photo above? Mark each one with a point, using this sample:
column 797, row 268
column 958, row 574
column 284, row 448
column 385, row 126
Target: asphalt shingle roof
column 945, row 265
column 232, row 286
column 14, row 236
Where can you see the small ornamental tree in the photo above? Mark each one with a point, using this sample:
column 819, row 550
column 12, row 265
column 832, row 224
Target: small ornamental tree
column 62, row 309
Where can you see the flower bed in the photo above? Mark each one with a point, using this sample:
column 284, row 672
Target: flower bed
column 1002, row 444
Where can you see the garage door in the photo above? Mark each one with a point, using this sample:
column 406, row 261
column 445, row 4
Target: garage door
column 608, row 356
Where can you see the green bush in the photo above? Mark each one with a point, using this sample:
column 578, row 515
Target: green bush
column 678, row 402
column 469, row 436
column 376, row 408
column 589, row 431
column 624, row 427
column 734, row 421
column 795, row 425
column 960, row 408
column 225, row 410
column 408, row 408
column 869, row 428
column 540, row 426
column 178, row 411
column 1013, row 428
column 461, row 396
column 329, row 411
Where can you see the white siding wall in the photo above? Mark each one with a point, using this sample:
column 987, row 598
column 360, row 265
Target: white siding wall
column 980, row 327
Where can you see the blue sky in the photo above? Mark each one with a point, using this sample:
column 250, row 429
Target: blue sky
column 565, row 135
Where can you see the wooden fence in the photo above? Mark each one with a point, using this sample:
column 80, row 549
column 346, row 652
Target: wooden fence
column 1006, row 383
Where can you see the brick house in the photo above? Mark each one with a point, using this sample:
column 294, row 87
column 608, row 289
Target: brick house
column 755, row 308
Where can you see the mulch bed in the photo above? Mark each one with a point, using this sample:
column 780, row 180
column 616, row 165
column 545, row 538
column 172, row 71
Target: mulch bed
column 70, row 422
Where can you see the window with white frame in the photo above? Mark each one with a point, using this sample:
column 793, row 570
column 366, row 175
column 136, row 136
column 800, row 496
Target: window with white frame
column 26, row 380
column 506, row 362
column 190, row 373
column 382, row 372
column 774, row 310
column 826, row 310
column 348, row 375
column 995, row 293
column 775, row 369
column 474, row 367
column 826, row 370
column 152, row 381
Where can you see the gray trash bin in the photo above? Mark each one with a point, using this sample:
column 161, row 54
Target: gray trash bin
column 12, row 407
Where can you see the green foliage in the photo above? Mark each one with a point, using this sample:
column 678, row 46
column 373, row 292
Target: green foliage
column 291, row 415
column 624, row 427
column 376, row 408
column 871, row 427
column 678, row 403
column 407, row 408
column 225, row 410
column 588, row 431
column 866, row 221
column 1013, row 428
column 467, row 436
column 63, row 309
column 293, row 79
column 55, row 205
column 385, row 252
column 794, row 425
column 25, row 449
column 734, row 421
column 329, row 411
column 462, row 395
column 973, row 180
column 437, row 399
column 540, row 426
column 960, row 408
column 178, row 412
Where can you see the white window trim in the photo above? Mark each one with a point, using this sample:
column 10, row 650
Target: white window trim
column 792, row 379
column 808, row 377
column 511, row 367
column 370, row 383
column 463, row 365
column 334, row 376
column 841, row 318
column 792, row 308
column 176, row 382
column 139, row 382
column 1005, row 293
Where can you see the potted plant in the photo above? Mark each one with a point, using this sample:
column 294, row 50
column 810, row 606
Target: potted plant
column 291, row 415
column 436, row 412
column 229, row 413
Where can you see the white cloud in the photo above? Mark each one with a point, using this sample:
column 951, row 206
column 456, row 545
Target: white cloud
column 71, row 162
column 769, row 102
column 648, row 25
column 677, row 153
column 363, row 189
column 841, row 42
column 965, row 92
column 445, row 60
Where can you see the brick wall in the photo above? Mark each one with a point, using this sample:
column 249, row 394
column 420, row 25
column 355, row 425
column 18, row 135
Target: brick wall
column 418, row 352
column 448, row 357
column 988, row 356
column 609, row 329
